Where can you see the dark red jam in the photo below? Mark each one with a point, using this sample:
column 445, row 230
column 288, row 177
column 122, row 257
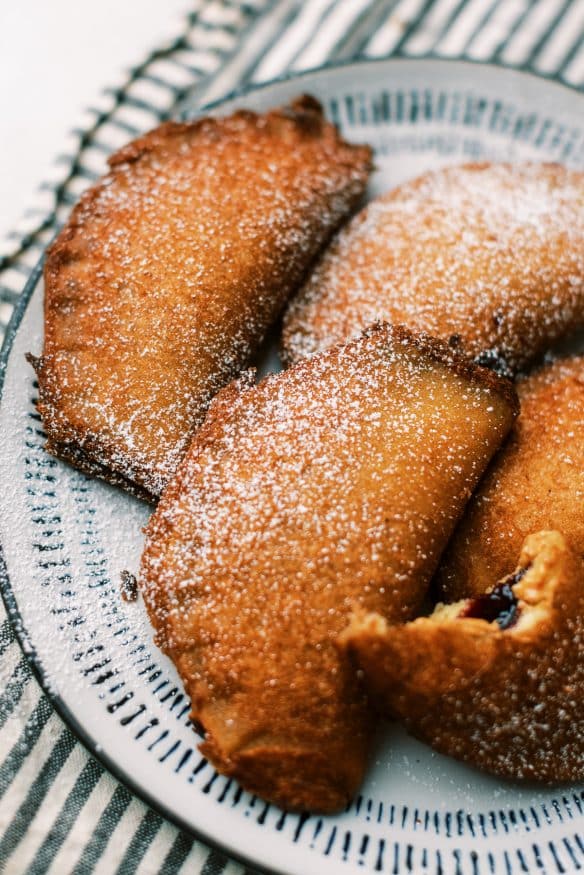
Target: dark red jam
column 500, row 605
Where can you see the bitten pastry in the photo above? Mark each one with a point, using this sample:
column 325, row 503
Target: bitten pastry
column 169, row 272
column 497, row 681
column 535, row 482
column 335, row 483
column 489, row 257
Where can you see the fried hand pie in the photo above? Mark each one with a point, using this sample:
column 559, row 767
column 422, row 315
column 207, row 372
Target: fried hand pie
column 489, row 257
column 535, row 482
column 496, row 681
column 333, row 484
column 169, row 272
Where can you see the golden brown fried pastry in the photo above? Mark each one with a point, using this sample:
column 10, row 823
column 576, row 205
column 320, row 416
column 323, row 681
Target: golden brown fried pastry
column 489, row 257
column 497, row 681
column 169, row 272
column 535, row 482
column 337, row 482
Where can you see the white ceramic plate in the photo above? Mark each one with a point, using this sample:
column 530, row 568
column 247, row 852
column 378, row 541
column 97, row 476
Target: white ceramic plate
column 66, row 538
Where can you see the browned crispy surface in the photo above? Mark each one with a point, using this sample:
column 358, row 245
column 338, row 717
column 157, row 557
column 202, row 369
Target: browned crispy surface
column 335, row 483
column 535, row 482
column 169, row 272
column 488, row 257
column 508, row 701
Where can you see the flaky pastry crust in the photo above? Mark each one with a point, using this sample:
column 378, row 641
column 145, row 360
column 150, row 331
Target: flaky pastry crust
column 169, row 272
column 489, row 257
column 535, row 482
column 508, row 700
column 337, row 482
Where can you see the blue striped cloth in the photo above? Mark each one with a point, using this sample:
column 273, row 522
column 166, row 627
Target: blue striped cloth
column 60, row 811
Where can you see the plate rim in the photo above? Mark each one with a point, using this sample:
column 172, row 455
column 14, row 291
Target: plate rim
column 8, row 597
column 431, row 58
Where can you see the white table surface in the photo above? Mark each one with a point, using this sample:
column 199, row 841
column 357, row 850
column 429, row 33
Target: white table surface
column 55, row 57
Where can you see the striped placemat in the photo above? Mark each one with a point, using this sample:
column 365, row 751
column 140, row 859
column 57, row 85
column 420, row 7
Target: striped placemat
column 60, row 811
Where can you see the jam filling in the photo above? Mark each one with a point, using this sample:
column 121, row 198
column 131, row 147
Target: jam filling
column 500, row 605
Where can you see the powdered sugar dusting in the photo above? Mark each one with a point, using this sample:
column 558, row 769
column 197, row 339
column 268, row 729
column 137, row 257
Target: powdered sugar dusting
column 507, row 701
column 334, row 483
column 536, row 482
column 487, row 256
column 170, row 271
